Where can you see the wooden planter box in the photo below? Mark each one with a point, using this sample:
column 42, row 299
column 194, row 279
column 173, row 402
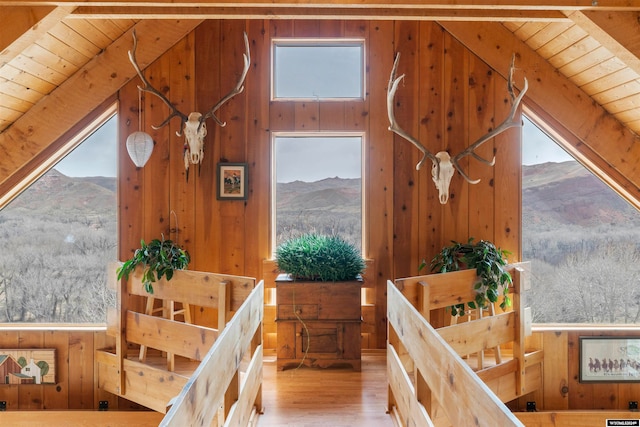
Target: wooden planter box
column 331, row 312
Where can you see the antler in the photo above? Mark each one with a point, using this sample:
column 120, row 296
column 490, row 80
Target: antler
column 148, row 88
column 239, row 87
column 393, row 126
column 506, row 124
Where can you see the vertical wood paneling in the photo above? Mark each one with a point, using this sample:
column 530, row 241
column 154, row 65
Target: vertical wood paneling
column 130, row 179
column 555, row 375
column 481, row 121
column 581, row 396
column 455, row 225
column 207, row 72
column 180, row 217
column 30, row 396
column 233, row 142
column 379, row 178
column 405, row 192
column 257, row 220
column 156, row 171
column 431, row 135
column 58, row 396
column 81, row 386
column 508, row 177
column 9, row 393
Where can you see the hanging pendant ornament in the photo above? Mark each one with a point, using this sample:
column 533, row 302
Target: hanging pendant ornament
column 139, row 144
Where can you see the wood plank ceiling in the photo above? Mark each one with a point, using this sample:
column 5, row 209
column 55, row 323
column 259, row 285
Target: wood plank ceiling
column 60, row 59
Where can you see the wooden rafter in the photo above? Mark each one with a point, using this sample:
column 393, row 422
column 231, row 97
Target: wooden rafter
column 596, row 137
column 79, row 95
column 618, row 32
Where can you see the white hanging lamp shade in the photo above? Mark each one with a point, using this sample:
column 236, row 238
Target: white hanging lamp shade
column 139, row 146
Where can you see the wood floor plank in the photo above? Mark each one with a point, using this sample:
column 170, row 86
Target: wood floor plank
column 338, row 397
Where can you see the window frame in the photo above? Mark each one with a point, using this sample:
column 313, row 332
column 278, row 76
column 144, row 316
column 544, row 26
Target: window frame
column 74, row 137
column 317, row 134
column 318, row 42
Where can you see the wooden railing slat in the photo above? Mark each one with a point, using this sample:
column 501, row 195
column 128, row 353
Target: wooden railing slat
column 464, row 397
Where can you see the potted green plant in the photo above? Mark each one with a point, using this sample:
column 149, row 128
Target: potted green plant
column 488, row 261
column 158, row 258
column 318, row 301
column 317, row 257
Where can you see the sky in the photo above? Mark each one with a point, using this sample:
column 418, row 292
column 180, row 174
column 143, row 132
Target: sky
column 96, row 156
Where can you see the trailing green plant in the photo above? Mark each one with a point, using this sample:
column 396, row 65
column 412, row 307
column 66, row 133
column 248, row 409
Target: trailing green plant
column 158, row 258
column 319, row 257
column 488, row 261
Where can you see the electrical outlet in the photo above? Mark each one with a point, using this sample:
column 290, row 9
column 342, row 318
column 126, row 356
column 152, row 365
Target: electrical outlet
column 633, row 405
column 531, row 407
column 103, row 405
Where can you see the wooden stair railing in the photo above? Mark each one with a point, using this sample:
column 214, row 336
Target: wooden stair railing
column 513, row 375
column 145, row 382
column 428, row 381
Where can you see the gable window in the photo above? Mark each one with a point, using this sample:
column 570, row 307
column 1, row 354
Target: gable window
column 317, row 185
column 58, row 234
column 317, row 69
column 581, row 237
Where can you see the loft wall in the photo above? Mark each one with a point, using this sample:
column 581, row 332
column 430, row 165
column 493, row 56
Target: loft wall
column 448, row 98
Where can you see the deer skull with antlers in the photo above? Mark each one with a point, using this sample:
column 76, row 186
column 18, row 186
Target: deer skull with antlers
column 445, row 165
column 193, row 125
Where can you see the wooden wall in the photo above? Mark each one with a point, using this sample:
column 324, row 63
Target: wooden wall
column 76, row 372
column 448, row 98
column 562, row 389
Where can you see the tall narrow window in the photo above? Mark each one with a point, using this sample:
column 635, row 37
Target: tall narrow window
column 581, row 237
column 318, row 185
column 57, row 236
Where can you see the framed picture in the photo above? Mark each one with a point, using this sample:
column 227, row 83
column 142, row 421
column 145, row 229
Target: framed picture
column 609, row 359
column 232, row 181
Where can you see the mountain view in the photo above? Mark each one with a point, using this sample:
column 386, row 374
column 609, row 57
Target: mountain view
column 55, row 240
column 579, row 235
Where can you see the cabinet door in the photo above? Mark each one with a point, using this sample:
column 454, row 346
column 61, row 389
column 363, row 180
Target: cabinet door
column 319, row 340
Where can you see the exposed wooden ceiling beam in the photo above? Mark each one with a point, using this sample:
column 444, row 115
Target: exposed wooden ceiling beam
column 619, row 32
column 87, row 89
column 274, row 11
column 600, row 141
column 22, row 26
column 460, row 5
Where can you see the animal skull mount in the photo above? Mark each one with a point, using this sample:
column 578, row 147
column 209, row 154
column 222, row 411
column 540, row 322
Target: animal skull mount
column 193, row 125
column 445, row 165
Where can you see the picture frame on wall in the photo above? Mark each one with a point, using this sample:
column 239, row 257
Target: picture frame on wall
column 232, row 181
column 609, row 359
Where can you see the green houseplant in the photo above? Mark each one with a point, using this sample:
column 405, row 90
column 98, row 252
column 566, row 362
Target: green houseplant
column 158, row 258
column 488, row 261
column 320, row 258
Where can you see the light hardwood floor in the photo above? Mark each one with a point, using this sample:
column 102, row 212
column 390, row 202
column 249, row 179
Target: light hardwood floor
column 336, row 397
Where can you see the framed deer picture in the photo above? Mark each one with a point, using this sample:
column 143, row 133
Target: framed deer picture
column 232, row 181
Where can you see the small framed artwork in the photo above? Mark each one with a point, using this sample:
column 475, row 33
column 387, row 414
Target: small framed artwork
column 232, row 181
column 609, row 359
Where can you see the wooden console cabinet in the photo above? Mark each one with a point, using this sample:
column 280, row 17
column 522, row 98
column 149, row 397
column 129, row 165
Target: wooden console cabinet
column 318, row 323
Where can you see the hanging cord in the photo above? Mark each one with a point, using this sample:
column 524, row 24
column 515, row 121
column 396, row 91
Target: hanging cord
column 139, row 109
column 304, row 326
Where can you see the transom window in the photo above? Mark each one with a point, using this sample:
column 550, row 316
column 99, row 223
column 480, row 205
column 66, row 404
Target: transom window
column 317, row 69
